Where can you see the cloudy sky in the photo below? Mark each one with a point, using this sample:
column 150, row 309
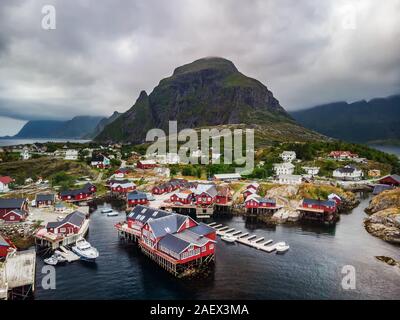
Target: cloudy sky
column 102, row 53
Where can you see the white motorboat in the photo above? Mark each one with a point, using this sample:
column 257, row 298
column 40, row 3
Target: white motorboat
column 228, row 238
column 85, row 251
column 112, row 213
column 107, row 210
column 281, row 247
column 51, row 260
column 59, row 257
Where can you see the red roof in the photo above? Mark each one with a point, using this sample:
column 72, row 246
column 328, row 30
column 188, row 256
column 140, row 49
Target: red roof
column 6, row 179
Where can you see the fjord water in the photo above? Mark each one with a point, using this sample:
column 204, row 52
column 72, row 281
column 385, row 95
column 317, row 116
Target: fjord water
column 15, row 142
column 311, row 269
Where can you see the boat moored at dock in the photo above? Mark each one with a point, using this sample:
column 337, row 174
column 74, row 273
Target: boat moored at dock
column 85, row 250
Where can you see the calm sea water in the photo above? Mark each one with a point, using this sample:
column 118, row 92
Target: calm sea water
column 388, row 149
column 14, row 142
column 310, row 269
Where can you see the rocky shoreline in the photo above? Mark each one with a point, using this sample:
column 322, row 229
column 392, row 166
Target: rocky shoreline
column 290, row 196
column 384, row 219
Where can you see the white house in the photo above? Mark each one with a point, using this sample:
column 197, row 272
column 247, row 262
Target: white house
column 289, row 179
column 283, row 168
column 169, row 158
column 4, row 182
column 348, row 173
column 71, row 154
column 163, row 172
column 288, row 156
column 312, row 171
column 25, row 154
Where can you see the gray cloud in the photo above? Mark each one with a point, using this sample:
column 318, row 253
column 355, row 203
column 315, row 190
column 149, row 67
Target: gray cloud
column 103, row 53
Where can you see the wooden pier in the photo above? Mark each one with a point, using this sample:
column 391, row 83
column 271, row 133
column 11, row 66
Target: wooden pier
column 17, row 276
column 67, row 254
column 245, row 238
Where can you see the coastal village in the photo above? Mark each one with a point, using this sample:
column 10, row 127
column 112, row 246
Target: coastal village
column 49, row 191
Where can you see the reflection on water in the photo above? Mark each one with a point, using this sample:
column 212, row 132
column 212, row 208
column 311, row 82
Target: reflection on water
column 310, row 269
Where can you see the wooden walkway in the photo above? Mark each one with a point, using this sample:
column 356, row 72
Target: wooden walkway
column 245, row 238
column 18, row 271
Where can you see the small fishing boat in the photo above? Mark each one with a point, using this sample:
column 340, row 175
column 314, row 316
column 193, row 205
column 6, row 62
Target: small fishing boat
column 85, row 251
column 51, row 260
column 107, row 210
column 281, row 247
column 112, row 213
column 228, row 238
column 59, row 257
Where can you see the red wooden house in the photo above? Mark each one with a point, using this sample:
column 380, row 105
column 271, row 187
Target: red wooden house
column 123, row 187
column 15, row 215
column 335, row 197
column 391, row 180
column 122, row 171
column 224, row 195
column 326, row 206
column 15, row 209
column 205, row 194
column 136, row 197
column 71, row 224
column 146, row 164
column 45, row 200
column 171, row 237
column 255, row 201
column 84, row 193
column 182, row 197
column 6, row 247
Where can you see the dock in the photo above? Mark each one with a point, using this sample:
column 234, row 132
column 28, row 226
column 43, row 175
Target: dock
column 67, row 254
column 53, row 241
column 17, row 275
column 245, row 238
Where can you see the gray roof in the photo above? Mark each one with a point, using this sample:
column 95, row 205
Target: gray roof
column 144, row 213
column 191, row 237
column 174, row 244
column 202, row 229
column 45, row 197
column 76, row 218
column 84, row 189
column 136, row 195
column 347, row 169
column 380, row 188
column 167, row 224
column 15, row 203
column 207, row 188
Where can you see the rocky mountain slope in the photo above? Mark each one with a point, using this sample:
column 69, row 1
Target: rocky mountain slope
column 102, row 124
column 207, row 92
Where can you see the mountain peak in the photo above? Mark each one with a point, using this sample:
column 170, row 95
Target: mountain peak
column 216, row 63
column 208, row 92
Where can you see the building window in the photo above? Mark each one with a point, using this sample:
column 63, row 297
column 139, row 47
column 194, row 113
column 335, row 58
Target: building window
column 211, row 246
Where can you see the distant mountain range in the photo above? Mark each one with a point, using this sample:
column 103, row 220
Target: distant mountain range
column 208, row 92
column 377, row 120
column 79, row 127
